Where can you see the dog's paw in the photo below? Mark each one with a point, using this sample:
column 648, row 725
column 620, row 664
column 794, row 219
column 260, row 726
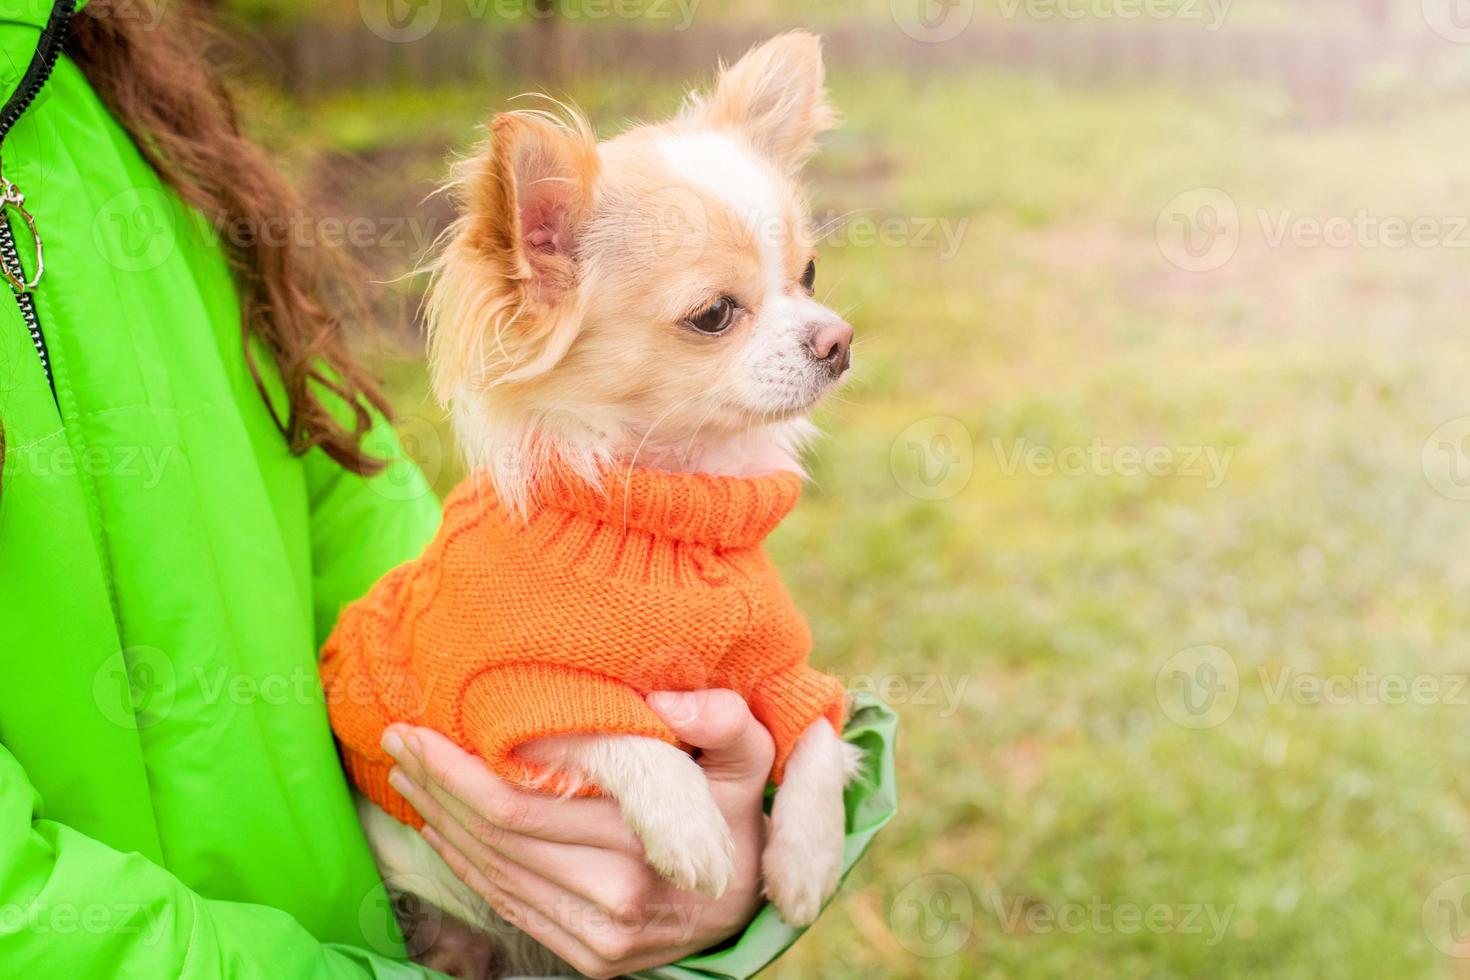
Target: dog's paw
column 691, row 847
column 801, row 866
column 802, row 862
column 665, row 799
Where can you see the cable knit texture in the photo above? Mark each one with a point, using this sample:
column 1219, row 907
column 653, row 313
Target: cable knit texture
column 509, row 629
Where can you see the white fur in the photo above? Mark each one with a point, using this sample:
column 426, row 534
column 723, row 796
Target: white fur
column 664, row 798
column 777, row 375
column 803, row 857
column 737, row 177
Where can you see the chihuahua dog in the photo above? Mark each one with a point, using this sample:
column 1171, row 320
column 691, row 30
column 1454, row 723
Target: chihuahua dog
column 646, row 300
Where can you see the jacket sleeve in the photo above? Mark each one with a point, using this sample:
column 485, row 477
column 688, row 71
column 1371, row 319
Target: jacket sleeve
column 362, row 527
column 70, row 906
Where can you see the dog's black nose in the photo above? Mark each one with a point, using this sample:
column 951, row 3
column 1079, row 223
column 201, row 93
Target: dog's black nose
column 830, row 343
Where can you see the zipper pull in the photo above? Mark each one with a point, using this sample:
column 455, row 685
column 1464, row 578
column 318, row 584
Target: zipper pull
column 11, row 197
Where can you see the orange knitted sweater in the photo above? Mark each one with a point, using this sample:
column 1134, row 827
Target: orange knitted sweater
column 509, row 629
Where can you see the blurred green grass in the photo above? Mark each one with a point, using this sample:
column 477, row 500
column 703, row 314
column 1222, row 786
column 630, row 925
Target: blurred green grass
column 1021, row 622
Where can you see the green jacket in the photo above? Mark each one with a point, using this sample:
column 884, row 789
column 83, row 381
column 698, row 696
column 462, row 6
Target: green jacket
column 171, row 802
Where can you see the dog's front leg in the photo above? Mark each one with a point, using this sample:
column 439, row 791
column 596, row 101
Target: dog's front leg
column 803, row 858
column 664, row 797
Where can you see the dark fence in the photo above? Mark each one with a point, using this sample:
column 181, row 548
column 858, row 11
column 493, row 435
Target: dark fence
column 1319, row 66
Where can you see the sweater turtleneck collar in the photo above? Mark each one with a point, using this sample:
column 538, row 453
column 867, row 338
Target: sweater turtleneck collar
column 696, row 508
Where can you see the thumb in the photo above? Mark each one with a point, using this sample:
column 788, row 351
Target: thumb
column 734, row 746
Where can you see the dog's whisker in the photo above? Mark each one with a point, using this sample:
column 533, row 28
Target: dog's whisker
column 819, row 232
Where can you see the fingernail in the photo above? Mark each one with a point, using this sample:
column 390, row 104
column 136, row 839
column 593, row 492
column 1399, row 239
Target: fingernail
column 392, row 743
column 680, row 707
column 399, row 782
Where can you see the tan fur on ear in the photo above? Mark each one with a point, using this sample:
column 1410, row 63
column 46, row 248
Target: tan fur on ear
column 501, row 307
column 775, row 96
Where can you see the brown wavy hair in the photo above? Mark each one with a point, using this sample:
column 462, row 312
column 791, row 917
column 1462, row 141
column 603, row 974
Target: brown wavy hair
column 294, row 296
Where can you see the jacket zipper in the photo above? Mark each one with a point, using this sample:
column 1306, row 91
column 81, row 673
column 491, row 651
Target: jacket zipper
column 53, row 35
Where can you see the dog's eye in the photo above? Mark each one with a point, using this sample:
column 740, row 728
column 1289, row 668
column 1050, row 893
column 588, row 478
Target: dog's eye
column 716, row 319
column 809, row 276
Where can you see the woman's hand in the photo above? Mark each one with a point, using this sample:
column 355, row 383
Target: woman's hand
column 568, row 872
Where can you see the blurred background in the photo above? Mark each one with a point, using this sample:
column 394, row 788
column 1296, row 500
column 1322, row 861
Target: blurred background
column 1149, row 510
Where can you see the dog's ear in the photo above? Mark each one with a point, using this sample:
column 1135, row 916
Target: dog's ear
column 775, row 95
column 502, row 307
column 527, row 204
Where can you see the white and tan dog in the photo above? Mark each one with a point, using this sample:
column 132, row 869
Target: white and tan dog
column 647, row 299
